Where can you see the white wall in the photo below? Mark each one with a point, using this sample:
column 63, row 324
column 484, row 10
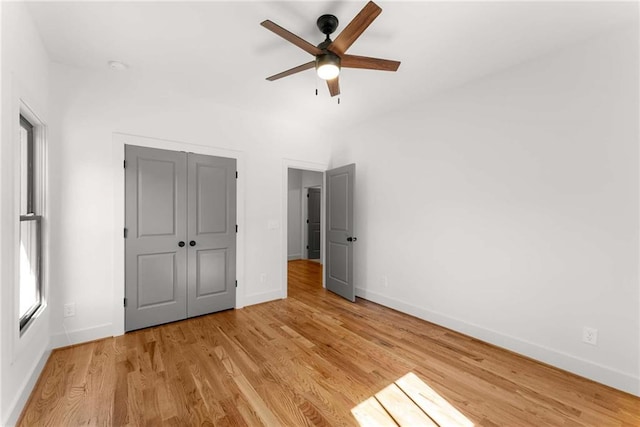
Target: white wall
column 508, row 208
column 311, row 179
column 294, row 215
column 24, row 79
column 90, row 107
column 2, row 232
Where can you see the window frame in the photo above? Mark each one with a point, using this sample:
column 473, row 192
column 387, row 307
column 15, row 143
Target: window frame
column 26, row 124
column 34, row 192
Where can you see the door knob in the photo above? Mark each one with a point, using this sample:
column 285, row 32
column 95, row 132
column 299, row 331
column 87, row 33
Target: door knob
column 181, row 243
column 192, row 243
column 352, row 239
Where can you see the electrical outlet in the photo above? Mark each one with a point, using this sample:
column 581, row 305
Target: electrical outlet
column 70, row 309
column 263, row 278
column 590, row 335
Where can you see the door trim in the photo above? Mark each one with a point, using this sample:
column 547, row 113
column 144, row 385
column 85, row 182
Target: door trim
column 119, row 141
column 308, row 166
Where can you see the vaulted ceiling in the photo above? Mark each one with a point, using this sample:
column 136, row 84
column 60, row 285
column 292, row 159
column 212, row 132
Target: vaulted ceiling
column 218, row 49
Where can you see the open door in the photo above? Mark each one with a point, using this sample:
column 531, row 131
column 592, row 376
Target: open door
column 340, row 230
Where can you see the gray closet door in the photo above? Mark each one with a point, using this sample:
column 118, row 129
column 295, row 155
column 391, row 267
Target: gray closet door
column 155, row 265
column 340, row 230
column 211, row 234
column 180, row 247
column 313, row 213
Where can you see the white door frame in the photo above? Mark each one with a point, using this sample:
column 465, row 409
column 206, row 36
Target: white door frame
column 307, row 166
column 119, row 141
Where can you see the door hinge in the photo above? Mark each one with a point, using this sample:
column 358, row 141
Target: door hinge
column 307, row 195
column 236, row 283
column 307, row 246
column 125, row 232
column 236, row 174
column 125, row 302
column 124, row 164
column 307, row 221
column 236, row 228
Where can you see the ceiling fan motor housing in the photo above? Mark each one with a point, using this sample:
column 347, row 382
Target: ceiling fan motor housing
column 327, row 58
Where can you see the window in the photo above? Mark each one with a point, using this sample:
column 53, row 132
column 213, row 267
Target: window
column 30, row 225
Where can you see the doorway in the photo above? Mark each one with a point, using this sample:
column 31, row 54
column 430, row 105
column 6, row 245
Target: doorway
column 180, row 241
column 304, row 223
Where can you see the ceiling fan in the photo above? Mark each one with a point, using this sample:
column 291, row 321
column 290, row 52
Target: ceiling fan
column 330, row 55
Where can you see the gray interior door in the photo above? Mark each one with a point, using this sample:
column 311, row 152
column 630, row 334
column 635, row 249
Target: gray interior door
column 180, row 246
column 313, row 223
column 155, row 265
column 340, row 230
column 212, row 234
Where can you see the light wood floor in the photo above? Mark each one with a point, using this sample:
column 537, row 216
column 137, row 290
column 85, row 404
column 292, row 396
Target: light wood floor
column 312, row 359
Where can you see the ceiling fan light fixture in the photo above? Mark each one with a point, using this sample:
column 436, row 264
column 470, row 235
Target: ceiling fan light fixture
column 328, row 66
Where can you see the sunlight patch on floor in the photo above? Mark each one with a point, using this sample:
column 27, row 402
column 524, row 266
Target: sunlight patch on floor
column 409, row 401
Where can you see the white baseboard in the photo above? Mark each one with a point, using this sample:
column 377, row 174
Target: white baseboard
column 25, row 391
column 262, row 297
column 599, row 373
column 294, row 257
column 81, row 335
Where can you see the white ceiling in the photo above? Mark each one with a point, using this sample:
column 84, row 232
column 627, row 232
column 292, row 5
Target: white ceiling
column 219, row 50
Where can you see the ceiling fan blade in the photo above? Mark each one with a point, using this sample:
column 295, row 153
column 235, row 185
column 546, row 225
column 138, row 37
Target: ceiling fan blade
column 290, row 37
column 334, row 86
column 355, row 61
column 355, row 28
column 292, row 71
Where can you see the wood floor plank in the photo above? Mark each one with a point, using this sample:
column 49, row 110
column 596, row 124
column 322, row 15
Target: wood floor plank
column 434, row 405
column 371, row 413
column 403, row 410
column 312, row 359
